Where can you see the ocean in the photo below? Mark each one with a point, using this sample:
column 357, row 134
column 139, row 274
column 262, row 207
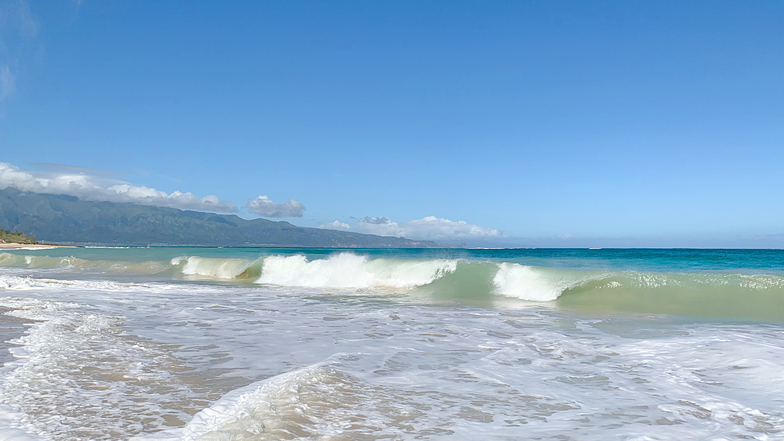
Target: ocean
column 370, row 344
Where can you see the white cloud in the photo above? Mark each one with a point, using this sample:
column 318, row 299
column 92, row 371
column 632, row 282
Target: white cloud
column 7, row 82
column 263, row 206
column 336, row 225
column 382, row 220
column 96, row 188
column 429, row 228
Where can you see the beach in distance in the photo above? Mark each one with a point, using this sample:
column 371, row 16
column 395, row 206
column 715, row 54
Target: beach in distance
column 265, row 343
column 31, row 246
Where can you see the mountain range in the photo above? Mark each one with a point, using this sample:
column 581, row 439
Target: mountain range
column 69, row 220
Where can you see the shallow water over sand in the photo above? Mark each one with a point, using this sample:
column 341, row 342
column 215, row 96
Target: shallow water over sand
column 114, row 354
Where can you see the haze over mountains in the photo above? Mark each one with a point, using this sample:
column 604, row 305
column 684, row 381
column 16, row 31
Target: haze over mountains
column 66, row 219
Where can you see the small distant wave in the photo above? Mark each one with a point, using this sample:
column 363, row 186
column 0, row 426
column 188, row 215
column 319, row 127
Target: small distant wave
column 23, row 283
column 71, row 262
column 109, row 247
column 26, row 261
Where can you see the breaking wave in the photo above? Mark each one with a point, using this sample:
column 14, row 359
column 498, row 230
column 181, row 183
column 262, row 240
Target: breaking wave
column 218, row 268
column 530, row 283
column 480, row 283
column 339, row 271
column 350, row 271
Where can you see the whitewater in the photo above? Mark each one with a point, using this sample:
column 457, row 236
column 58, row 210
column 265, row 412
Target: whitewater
column 270, row 344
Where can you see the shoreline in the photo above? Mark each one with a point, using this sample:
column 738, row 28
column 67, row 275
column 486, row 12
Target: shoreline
column 30, row 246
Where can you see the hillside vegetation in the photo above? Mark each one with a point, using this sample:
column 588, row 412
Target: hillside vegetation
column 15, row 237
column 66, row 219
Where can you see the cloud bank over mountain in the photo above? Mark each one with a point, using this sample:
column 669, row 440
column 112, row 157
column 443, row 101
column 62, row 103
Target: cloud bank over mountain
column 427, row 228
column 96, row 188
column 263, row 206
column 103, row 186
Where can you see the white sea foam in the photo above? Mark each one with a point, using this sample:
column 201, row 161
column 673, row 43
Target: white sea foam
column 530, row 283
column 24, row 283
column 295, row 402
column 320, row 401
column 709, row 383
column 402, row 370
column 76, row 375
column 11, row 426
column 10, row 282
column 109, row 248
column 350, row 271
column 343, row 368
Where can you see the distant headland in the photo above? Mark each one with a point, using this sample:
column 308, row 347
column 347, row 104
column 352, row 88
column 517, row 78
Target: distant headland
column 11, row 240
column 15, row 237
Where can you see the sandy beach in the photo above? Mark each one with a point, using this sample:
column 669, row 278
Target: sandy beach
column 30, row 246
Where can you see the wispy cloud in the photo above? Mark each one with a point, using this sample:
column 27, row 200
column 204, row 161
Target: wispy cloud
column 15, row 16
column 7, row 82
column 100, row 188
column 429, row 228
column 57, row 168
column 18, row 28
column 263, row 206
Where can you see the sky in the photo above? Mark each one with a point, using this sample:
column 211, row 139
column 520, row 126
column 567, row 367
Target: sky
column 500, row 123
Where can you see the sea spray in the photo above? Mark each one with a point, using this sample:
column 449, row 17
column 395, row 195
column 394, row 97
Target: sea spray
column 535, row 284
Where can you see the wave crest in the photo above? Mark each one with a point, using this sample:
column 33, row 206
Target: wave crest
column 218, row 268
column 350, row 271
column 530, row 283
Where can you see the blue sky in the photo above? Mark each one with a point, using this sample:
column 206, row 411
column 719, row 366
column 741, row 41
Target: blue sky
column 656, row 123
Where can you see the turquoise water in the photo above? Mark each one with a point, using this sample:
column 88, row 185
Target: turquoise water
column 730, row 284
column 661, row 260
column 280, row 343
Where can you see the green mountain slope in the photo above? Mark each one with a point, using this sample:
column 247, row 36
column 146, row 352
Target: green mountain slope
column 66, row 219
column 15, row 237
